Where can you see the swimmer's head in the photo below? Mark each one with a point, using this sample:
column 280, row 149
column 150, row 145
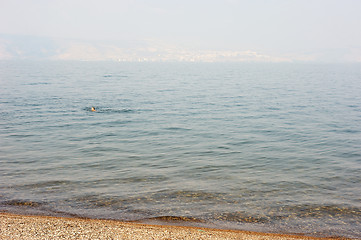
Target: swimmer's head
column 93, row 109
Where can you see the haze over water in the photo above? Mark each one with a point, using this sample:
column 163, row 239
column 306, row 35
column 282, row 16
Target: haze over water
column 261, row 146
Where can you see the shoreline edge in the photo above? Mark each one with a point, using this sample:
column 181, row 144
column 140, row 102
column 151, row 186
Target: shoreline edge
column 14, row 226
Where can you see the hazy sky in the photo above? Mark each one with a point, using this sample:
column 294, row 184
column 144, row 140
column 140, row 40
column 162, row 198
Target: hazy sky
column 274, row 26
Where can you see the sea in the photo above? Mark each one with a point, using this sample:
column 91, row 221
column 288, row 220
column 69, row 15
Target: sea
column 269, row 147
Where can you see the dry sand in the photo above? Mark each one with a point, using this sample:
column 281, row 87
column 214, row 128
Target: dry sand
column 40, row 227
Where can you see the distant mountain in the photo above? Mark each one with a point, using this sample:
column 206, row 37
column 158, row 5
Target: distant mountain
column 43, row 48
column 26, row 47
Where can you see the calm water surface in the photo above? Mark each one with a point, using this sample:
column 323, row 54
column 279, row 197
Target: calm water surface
column 264, row 147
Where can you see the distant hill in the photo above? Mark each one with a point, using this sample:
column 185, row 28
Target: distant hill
column 44, row 48
column 26, row 47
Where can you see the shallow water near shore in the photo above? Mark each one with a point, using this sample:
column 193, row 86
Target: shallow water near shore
column 265, row 147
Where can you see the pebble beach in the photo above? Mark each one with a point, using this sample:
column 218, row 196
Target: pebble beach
column 14, row 226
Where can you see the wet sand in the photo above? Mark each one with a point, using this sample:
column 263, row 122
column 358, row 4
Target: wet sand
column 14, row 226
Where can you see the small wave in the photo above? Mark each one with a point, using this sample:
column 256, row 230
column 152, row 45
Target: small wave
column 350, row 131
column 38, row 83
column 187, row 196
column 241, row 217
column 303, row 211
column 177, row 129
column 21, row 135
column 173, row 219
column 151, row 198
column 353, row 106
column 45, row 184
column 112, row 75
column 273, row 108
column 21, row 203
column 118, row 110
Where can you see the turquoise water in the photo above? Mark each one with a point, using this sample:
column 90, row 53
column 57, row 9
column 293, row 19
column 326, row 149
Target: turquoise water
column 263, row 147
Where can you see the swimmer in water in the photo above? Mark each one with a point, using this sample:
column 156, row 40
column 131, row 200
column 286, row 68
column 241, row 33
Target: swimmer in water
column 93, row 109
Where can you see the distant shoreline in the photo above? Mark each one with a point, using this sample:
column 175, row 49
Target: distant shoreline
column 13, row 226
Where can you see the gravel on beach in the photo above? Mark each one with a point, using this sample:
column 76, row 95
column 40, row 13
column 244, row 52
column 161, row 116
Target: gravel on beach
column 14, row 226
